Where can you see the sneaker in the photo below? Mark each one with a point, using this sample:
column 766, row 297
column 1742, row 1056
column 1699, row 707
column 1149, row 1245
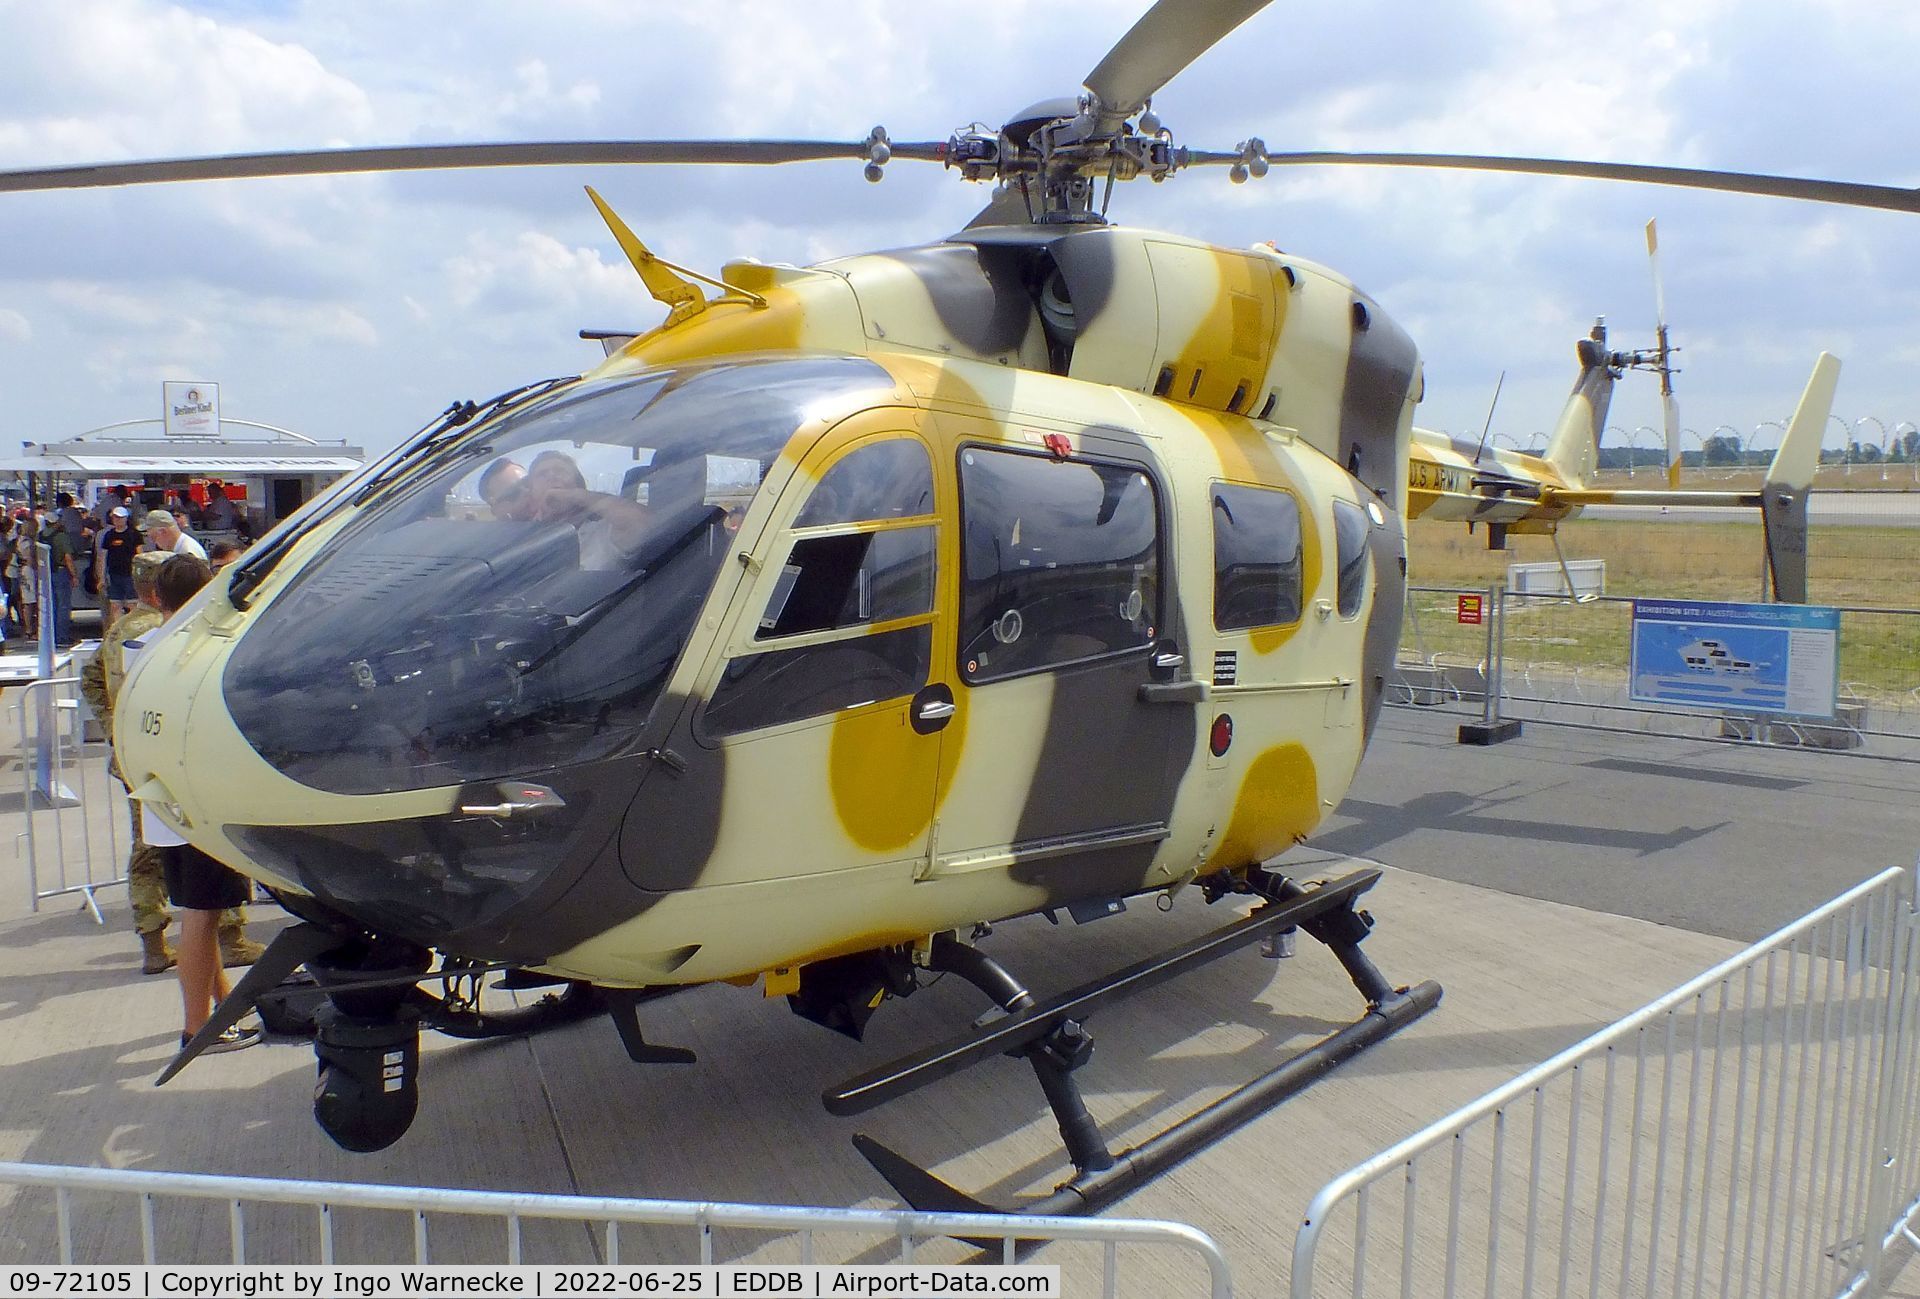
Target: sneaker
column 234, row 1039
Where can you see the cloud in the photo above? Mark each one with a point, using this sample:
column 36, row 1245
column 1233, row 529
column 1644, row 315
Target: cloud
column 414, row 289
column 14, row 327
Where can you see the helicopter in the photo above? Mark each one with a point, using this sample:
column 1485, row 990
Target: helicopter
column 853, row 610
column 1513, row 493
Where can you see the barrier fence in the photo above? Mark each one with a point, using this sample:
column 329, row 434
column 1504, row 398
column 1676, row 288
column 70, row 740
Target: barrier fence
column 1556, row 658
column 1755, row 1132
column 91, row 1206
column 75, row 816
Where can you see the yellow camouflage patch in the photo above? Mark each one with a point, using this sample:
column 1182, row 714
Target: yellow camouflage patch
column 1278, row 804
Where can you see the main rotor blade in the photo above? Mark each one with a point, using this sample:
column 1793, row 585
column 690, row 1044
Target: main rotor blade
column 435, row 157
column 1850, row 193
column 1167, row 38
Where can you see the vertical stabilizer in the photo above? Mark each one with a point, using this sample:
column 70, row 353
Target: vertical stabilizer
column 1789, row 483
column 1574, row 449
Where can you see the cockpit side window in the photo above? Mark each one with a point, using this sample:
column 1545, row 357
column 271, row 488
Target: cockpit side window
column 848, row 618
column 1256, row 557
column 881, row 480
column 1060, row 562
column 1350, row 541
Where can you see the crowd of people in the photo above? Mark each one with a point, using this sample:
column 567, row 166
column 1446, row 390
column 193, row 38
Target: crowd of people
column 144, row 567
column 91, row 552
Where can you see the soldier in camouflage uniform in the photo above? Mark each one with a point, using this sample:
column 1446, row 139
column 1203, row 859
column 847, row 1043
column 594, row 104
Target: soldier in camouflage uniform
column 100, row 683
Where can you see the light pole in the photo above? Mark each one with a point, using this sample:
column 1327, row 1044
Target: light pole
column 1654, row 435
column 1913, row 460
column 1699, row 441
column 1846, row 445
column 1615, row 428
column 1875, row 421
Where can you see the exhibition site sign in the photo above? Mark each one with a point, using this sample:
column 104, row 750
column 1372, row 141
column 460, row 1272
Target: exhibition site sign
column 1746, row 658
column 192, row 410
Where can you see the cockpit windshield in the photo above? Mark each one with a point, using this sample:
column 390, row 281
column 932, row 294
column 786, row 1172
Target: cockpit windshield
column 517, row 601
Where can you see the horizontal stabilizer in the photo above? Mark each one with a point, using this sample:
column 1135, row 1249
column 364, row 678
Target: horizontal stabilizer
column 1644, row 496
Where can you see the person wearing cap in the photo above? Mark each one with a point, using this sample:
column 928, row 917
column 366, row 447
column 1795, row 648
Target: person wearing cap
column 164, row 534
column 113, row 552
column 100, row 682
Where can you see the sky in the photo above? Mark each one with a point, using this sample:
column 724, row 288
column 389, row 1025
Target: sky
column 357, row 308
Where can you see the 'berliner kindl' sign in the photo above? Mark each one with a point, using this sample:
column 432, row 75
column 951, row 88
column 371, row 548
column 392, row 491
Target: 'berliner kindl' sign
column 192, row 409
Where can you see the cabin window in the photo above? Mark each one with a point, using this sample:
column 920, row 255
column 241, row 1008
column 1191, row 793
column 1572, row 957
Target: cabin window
column 847, row 620
column 1350, row 543
column 1060, row 562
column 1256, row 557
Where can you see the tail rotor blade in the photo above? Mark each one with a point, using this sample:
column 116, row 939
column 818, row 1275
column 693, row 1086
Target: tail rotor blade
column 1669, row 407
column 1659, row 290
column 1672, row 409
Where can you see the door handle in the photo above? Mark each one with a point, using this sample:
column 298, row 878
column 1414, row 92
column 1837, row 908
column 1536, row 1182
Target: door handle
column 517, row 798
column 1169, row 660
column 932, row 709
column 935, row 710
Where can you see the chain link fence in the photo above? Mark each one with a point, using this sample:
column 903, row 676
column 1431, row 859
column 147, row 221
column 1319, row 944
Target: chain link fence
column 1561, row 659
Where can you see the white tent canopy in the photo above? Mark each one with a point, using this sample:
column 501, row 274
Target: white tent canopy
column 94, row 454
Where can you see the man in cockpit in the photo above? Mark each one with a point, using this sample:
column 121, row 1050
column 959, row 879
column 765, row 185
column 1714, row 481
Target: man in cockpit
column 500, row 486
column 612, row 529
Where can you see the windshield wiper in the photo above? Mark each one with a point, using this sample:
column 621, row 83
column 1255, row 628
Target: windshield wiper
column 451, row 428
column 248, row 574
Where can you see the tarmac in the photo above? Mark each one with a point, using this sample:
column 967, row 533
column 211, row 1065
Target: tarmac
column 1551, row 885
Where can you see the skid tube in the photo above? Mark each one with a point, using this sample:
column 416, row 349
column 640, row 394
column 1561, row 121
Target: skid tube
column 1051, row 1036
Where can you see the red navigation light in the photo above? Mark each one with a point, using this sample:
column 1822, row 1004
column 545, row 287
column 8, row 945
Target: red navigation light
column 1221, row 738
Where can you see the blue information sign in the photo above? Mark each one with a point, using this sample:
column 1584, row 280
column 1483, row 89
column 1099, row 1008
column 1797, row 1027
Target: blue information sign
column 1744, row 658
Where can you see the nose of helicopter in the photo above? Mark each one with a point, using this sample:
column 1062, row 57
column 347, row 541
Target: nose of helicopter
column 451, row 867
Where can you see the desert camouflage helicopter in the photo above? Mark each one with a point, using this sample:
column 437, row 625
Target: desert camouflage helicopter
column 1514, row 493
column 757, row 653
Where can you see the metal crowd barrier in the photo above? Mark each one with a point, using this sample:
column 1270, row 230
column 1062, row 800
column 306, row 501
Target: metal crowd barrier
column 74, row 812
column 1755, row 1132
column 514, row 1212
column 1444, row 663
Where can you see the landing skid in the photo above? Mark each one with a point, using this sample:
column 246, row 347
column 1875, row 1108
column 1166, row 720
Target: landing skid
column 1051, row 1036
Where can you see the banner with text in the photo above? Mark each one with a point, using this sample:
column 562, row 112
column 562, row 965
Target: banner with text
column 1737, row 658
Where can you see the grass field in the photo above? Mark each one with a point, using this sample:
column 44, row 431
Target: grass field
column 1854, row 566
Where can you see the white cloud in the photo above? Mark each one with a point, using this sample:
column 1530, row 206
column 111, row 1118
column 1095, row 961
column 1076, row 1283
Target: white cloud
column 418, row 289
